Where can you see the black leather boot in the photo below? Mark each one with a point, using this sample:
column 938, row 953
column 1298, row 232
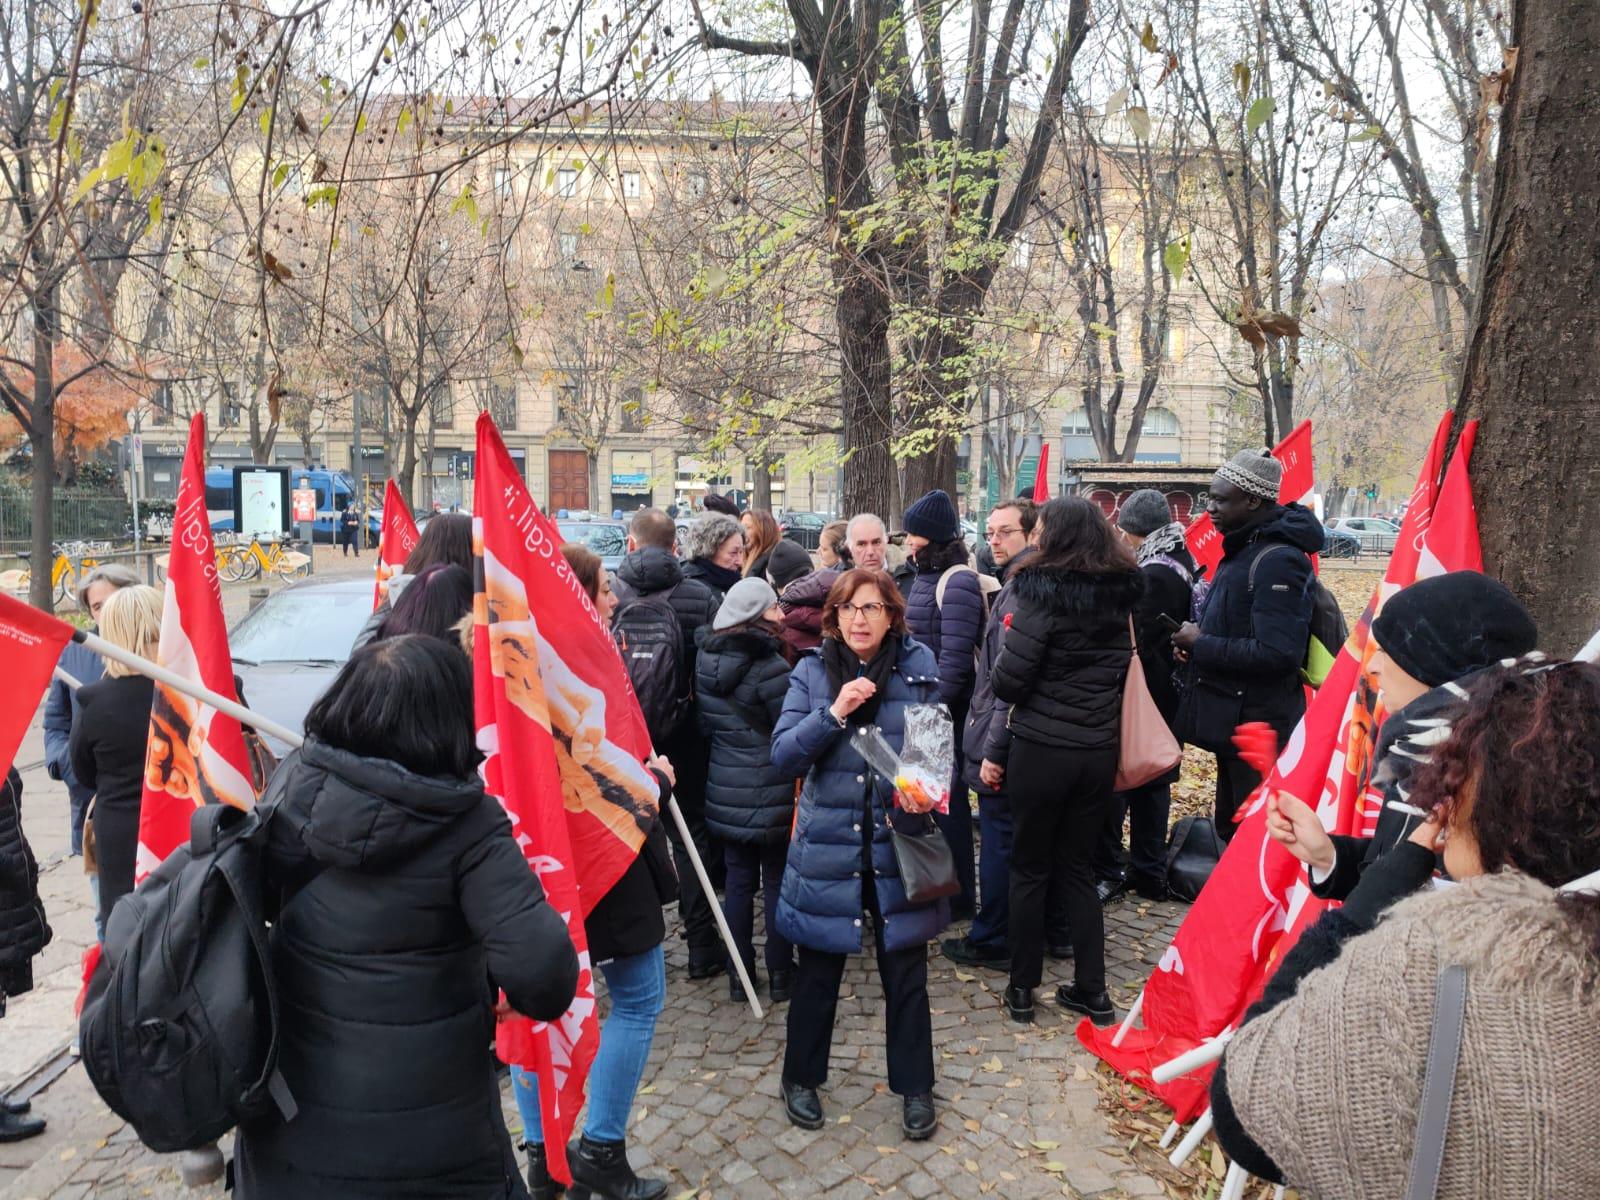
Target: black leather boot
column 600, row 1171
column 15, row 1127
column 1019, row 1004
column 801, row 1104
column 540, row 1185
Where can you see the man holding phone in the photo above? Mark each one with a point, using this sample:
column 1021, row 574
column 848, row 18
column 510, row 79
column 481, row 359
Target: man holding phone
column 1146, row 524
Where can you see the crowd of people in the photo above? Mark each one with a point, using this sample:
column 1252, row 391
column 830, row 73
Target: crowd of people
column 410, row 891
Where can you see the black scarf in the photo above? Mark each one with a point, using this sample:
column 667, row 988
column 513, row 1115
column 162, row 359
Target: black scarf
column 720, row 578
column 843, row 665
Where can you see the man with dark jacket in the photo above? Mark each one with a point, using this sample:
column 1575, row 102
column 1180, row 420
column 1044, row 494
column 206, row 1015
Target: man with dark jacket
column 1245, row 655
column 1168, row 569
column 985, row 743
column 651, row 568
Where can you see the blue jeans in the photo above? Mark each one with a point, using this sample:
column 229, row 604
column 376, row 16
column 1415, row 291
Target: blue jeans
column 638, row 989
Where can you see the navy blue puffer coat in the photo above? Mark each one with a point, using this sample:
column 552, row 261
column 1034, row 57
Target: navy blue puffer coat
column 820, row 904
column 741, row 679
column 953, row 632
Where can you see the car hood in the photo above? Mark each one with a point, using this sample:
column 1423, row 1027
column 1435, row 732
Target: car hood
column 284, row 692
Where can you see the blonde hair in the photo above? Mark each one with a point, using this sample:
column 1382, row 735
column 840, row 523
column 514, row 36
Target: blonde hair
column 131, row 618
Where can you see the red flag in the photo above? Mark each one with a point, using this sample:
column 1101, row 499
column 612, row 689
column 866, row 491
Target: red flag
column 1204, row 540
column 565, row 744
column 1257, row 899
column 30, row 645
column 195, row 755
column 397, row 537
column 1041, row 477
column 1451, row 540
column 1294, row 452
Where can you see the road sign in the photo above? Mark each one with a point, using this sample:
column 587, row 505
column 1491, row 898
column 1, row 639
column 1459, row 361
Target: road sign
column 305, row 504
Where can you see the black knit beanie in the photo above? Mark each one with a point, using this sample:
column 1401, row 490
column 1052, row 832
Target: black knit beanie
column 786, row 563
column 934, row 517
column 1442, row 628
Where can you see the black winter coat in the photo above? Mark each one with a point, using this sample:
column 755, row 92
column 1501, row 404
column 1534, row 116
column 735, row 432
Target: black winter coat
column 23, row 929
column 741, row 679
column 951, row 632
column 987, row 735
column 1246, row 664
column 385, row 964
column 651, row 569
column 1166, row 593
column 1065, row 658
column 628, row 919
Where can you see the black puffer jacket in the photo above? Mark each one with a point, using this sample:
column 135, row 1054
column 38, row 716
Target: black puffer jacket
column 23, row 929
column 986, row 734
column 385, row 961
column 741, row 680
column 651, row 569
column 1065, row 657
column 1246, row 664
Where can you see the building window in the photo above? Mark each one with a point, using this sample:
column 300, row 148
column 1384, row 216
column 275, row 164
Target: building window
column 443, row 406
column 161, row 405
column 698, row 185
column 1161, row 422
column 567, row 245
column 567, row 182
column 503, row 406
column 630, row 185
column 1177, row 342
column 633, row 414
column 502, row 181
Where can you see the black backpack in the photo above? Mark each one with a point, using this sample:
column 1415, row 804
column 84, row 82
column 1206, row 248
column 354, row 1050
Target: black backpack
column 1328, row 631
column 1193, row 850
column 179, row 1031
column 650, row 640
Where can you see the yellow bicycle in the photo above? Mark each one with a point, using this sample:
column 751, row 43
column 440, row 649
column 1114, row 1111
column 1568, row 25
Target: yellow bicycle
column 72, row 560
column 273, row 559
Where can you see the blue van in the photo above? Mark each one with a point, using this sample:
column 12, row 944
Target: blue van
column 333, row 488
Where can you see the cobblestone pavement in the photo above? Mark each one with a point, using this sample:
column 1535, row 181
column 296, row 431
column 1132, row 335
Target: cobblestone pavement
column 1018, row 1107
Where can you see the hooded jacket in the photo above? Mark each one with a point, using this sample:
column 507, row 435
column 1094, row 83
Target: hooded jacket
column 386, row 962
column 1246, row 664
column 802, row 603
column 1065, row 657
column 1327, row 1084
column 741, row 679
column 986, row 734
column 650, row 570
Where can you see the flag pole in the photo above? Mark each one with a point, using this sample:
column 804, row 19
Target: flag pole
column 188, row 687
column 61, row 676
column 716, row 908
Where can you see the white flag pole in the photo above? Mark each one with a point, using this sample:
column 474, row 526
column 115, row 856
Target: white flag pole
column 1233, row 1185
column 1192, row 1139
column 62, row 677
column 716, row 909
column 188, row 687
column 1127, row 1021
column 1192, row 1060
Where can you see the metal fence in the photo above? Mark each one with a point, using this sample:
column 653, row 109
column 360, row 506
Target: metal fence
column 79, row 516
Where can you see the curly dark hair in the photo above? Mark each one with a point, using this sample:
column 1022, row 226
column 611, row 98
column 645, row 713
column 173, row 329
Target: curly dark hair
column 1521, row 772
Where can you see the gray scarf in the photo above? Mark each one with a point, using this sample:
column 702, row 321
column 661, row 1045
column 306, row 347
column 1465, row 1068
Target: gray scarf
column 1164, row 541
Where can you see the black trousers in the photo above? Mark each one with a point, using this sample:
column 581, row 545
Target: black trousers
column 1059, row 798
column 1236, row 779
column 1146, row 810
column 756, row 869
column 688, row 755
column 909, row 1021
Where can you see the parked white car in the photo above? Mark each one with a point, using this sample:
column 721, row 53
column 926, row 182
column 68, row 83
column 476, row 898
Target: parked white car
column 1376, row 534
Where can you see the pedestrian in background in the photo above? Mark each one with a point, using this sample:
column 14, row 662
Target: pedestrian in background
column 761, row 534
column 841, row 862
column 740, row 681
column 833, row 548
column 434, row 603
column 24, row 932
column 445, row 538
column 789, row 568
column 110, row 736
column 593, row 577
column 350, row 528
column 716, row 552
column 945, row 610
column 1061, row 668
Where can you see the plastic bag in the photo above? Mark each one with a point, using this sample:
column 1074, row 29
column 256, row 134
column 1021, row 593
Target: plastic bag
column 927, row 756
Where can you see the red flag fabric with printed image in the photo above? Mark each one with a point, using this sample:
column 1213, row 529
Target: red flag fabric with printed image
column 565, row 745
column 397, row 537
column 30, row 643
column 195, row 754
column 1204, row 540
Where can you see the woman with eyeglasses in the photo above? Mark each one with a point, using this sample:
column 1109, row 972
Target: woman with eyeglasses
column 867, row 673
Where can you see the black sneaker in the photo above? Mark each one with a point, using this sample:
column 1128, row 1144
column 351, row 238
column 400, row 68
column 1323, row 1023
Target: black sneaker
column 1110, row 890
column 1147, row 888
column 1019, row 1004
column 969, row 954
column 801, row 1105
column 780, row 986
column 1097, row 1006
column 706, row 968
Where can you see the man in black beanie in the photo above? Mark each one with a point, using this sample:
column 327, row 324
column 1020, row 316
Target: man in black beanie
column 1430, row 637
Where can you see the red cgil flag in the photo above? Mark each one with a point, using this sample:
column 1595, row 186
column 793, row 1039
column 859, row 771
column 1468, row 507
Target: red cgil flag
column 30, row 644
column 195, row 754
column 565, row 745
column 1204, row 540
column 397, row 537
column 1294, row 452
column 1258, row 900
column 1041, row 477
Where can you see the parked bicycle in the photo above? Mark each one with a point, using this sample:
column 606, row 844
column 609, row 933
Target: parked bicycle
column 72, row 560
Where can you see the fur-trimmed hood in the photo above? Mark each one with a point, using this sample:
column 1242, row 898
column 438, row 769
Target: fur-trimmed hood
column 1113, row 593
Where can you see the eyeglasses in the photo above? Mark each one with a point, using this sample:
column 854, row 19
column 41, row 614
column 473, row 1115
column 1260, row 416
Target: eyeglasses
column 995, row 534
column 872, row 610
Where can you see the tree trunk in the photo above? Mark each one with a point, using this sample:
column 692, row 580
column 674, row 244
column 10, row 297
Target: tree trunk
column 1535, row 347
column 43, row 440
column 407, row 480
column 760, row 467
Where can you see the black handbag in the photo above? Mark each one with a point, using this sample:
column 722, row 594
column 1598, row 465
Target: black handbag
column 927, row 868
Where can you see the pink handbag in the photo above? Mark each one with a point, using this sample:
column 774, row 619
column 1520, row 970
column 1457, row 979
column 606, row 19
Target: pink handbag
column 1148, row 749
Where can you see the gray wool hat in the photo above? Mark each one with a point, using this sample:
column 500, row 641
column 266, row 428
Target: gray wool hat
column 1144, row 512
column 708, row 533
column 745, row 601
column 1254, row 472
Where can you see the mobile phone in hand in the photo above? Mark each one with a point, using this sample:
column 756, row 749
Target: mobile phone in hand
column 1166, row 619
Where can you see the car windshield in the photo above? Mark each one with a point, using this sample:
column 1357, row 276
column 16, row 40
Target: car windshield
column 608, row 541
column 302, row 625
